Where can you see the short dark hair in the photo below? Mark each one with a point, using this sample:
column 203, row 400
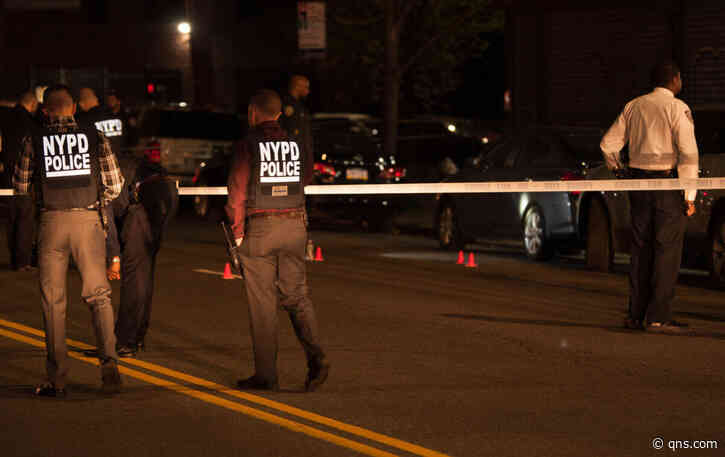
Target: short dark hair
column 57, row 97
column 664, row 72
column 267, row 102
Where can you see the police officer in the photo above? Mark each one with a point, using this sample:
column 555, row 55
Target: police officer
column 296, row 119
column 21, row 212
column 142, row 212
column 266, row 187
column 660, row 132
column 102, row 118
column 76, row 172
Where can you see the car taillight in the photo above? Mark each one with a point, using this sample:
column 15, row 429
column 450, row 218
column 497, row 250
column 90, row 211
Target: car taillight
column 324, row 169
column 152, row 151
column 572, row 176
column 392, row 173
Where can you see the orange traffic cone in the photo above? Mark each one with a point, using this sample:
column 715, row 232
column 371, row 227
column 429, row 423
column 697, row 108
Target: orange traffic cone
column 471, row 261
column 227, row 272
column 318, row 255
column 461, row 258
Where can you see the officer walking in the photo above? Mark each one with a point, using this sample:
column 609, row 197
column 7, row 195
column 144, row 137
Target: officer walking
column 21, row 211
column 660, row 132
column 266, row 187
column 142, row 211
column 76, row 171
column 101, row 118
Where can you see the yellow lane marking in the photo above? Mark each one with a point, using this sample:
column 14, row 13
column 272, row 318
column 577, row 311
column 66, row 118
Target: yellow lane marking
column 208, row 398
column 332, row 423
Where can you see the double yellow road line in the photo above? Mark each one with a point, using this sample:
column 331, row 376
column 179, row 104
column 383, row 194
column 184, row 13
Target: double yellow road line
column 217, row 399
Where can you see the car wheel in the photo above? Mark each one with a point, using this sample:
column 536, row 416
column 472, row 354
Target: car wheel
column 717, row 267
column 536, row 244
column 599, row 252
column 449, row 234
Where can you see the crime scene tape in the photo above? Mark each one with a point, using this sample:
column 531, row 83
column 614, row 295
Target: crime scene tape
column 492, row 187
column 595, row 185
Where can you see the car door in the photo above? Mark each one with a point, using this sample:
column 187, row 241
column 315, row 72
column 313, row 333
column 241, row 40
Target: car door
column 479, row 214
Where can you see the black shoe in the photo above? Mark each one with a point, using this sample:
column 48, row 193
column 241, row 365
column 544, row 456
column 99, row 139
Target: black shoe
column 317, row 375
column 665, row 327
column 110, row 377
column 254, row 383
column 633, row 324
column 48, row 390
column 126, row 351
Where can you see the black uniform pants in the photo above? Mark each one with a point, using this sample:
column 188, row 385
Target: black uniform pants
column 138, row 261
column 21, row 230
column 273, row 257
column 658, row 228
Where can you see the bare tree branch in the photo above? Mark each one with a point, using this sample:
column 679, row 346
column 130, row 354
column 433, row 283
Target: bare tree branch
column 404, row 67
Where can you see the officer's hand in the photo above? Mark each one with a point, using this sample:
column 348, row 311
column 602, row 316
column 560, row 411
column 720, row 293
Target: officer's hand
column 238, row 241
column 114, row 271
column 689, row 208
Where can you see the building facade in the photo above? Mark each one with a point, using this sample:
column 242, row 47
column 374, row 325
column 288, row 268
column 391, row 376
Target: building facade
column 580, row 62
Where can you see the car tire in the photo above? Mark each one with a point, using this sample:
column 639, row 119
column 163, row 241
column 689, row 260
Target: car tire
column 599, row 253
column 536, row 243
column 717, row 238
column 447, row 229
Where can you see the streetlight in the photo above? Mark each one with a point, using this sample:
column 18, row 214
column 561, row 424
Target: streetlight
column 184, row 27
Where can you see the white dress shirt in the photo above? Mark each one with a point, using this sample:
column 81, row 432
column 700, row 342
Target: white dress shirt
column 661, row 136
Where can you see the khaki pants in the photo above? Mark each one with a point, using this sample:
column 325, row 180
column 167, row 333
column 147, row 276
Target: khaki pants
column 273, row 256
column 76, row 233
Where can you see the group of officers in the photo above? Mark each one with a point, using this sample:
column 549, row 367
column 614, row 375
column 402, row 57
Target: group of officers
column 107, row 210
column 104, row 209
column 83, row 204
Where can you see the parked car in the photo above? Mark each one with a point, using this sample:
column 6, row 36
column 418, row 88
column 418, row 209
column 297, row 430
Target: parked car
column 605, row 216
column 543, row 221
column 186, row 139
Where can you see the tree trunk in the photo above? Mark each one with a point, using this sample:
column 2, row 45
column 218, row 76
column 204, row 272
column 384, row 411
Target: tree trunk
column 392, row 78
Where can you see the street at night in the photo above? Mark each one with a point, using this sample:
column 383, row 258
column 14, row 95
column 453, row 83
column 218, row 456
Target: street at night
column 429, row 358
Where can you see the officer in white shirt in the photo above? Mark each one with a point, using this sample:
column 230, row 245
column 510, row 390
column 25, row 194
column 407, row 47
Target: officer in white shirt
column 661, row 135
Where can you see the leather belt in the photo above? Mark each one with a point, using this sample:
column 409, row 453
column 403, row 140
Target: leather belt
column 652, row 174
column 275, row 214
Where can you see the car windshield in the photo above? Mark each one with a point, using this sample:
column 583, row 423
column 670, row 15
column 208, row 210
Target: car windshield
column 191, row 124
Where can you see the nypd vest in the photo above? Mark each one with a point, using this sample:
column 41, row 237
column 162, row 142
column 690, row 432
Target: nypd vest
column 108, row 123
column 276, row 173
column 68, row 166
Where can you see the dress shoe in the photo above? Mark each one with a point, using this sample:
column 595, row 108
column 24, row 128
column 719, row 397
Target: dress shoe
column 48, row 390
column 254, row 383
column 110, row 377
column 127, row 351
column 671, row 327
column 27, row 268
column 317, row 375
column 633, row 324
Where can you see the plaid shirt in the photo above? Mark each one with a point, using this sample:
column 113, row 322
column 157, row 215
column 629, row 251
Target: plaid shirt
column 111, row 177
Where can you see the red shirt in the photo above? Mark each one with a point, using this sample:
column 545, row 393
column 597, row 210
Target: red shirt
column 238, row 183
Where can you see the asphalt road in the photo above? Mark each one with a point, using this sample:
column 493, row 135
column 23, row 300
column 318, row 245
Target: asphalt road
column 511, row 358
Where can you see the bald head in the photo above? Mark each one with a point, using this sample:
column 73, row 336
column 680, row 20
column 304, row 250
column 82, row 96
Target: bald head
column 58, row 102
column 28, row 101
column 299, row 86
column 87, row 99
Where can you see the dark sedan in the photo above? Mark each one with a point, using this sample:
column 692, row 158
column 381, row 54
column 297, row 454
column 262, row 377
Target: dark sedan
column 543, row 221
